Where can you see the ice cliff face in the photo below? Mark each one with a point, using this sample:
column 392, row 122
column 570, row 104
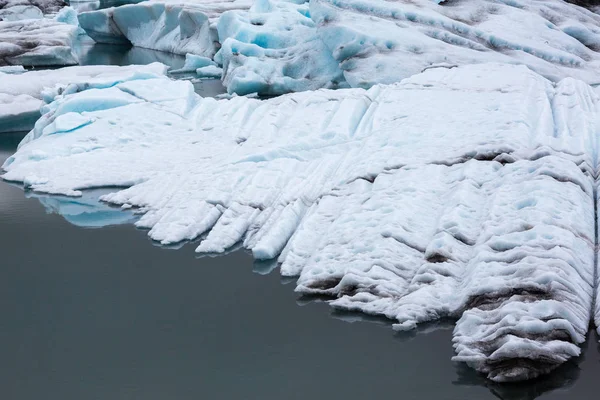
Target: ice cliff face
column 460, row 192
column 174, row 26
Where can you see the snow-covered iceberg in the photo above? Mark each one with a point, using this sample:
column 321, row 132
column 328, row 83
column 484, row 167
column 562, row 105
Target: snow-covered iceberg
column 22, row 94
column 460, row 192
column 13, row 10
column 40, row 42
column 379, row 41
column 272, row 49
column 175, row 26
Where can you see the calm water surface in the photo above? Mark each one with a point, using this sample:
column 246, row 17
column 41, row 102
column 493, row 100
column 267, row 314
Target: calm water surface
column 104, row 314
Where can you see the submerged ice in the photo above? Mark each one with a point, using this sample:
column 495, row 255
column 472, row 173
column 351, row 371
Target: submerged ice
column 460, row 192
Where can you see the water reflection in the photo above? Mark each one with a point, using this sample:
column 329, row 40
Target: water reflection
column 561, row 379
column 85, row 211
column 119, row 54
column 116, row 318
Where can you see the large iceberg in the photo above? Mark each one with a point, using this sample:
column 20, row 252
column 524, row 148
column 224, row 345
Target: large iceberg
column 175, row 26
column 462, row 192
column 273, row 49
column 22, row 93
column 379, row 41
column 277, row 46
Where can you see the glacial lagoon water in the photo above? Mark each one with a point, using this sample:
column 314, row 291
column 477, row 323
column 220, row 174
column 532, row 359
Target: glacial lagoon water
column 90, row 308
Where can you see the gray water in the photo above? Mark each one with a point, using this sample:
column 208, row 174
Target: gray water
column 91, row 309
column 90, row 53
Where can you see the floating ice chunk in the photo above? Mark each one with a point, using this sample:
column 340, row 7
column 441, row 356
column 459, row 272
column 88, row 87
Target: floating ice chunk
column 386, row 41
column 173, row 26
column 461, row 192
column 38, row 42
column 67, row 15
column 14, row 10
column 21, row 95
column 194, row 62
column 211, row 71
column 272, row 49
column 12, row 69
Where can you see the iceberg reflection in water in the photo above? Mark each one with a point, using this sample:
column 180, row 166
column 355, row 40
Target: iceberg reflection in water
column 85, row 211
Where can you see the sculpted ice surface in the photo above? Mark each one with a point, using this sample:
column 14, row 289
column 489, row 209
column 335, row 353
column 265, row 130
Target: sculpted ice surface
column 462, row 192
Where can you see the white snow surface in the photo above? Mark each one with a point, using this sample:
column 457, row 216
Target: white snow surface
column 384, row 41
column 21, row 92
column 175, row 26
column 460, row 192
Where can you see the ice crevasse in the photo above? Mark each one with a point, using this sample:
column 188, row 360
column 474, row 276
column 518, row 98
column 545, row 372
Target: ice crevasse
column 460, row 192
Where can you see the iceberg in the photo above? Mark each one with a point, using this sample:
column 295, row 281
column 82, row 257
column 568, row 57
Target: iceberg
column 39, row 42
column 385, row 41
column 274, row 48
column 463, row 192
column 22, row 93
column 167, row 25
column 14, row 10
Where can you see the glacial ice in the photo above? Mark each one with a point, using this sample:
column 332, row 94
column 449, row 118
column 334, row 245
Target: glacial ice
column 202, row 66
column 14, row 10
column 385, row 41
column 272, row 49
column 42, row 41
column 461, row 192
column 167, row 25
column 21, row 92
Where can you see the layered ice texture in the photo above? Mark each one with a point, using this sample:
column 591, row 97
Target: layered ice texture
column 279, row 46
column 463, row 192
column 272, row 49
column 13, row 10
column 167, row 25
column 22, row 93
column 379, row 41
column 41, row 41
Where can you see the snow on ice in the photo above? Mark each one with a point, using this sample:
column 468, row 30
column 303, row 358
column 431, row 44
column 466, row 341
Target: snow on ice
column 167, row 25
column 40, row 42
column 278, row 46
column 385, row 41
column 22, row 93
column 460, row 192
column 13, row 10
